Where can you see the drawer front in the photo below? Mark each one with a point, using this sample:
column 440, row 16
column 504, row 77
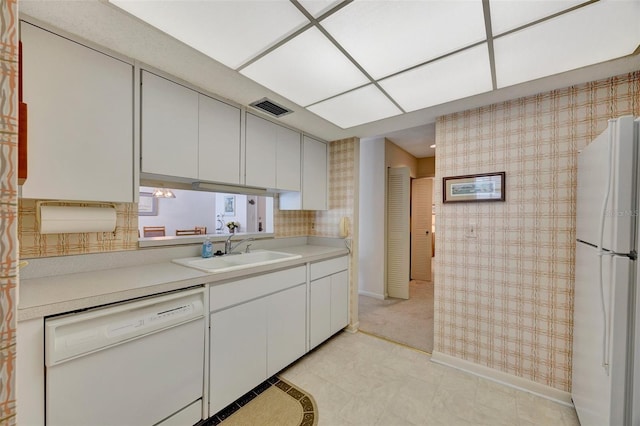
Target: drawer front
column 242, row 290
column 328, row 267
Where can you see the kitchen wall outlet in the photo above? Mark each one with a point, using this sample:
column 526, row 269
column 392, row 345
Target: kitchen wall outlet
column 471, row 231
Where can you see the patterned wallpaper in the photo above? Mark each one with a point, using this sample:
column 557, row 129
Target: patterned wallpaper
column 342, row 189
column 343, row 192
column 34, row 244
column 8, row 206
column 505, row 298
column 291, row 223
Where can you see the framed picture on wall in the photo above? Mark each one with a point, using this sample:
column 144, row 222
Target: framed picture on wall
column 148, row 205
column 230, row 205
column 480, row 187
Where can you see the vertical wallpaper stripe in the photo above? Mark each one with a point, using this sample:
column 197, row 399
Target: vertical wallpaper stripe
column 8, row 206
column 505, row 298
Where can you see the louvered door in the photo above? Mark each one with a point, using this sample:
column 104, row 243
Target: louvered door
column 398, row 248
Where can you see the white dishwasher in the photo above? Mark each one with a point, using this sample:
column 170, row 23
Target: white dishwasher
column 136, row 363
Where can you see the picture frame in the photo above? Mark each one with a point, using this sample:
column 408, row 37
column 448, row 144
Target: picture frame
column 147, row 205
column 474, row 188
column 230, row 205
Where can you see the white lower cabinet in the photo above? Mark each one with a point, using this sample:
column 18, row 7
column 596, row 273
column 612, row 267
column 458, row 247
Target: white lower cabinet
column 328, row 299
column 286, row 328
column 257, row 328
column 238, row 352
column 319, row 311
column 339, row 301
column 30, row 372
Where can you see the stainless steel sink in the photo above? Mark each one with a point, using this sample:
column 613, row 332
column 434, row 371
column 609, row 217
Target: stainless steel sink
column 232, row 262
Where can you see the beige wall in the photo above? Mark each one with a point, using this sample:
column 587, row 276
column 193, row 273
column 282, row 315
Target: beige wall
column 426, row 167
column 398, row 157
column 8, row 206
column 505, row 299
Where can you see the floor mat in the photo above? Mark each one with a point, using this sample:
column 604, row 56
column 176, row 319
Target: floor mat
column 274, row 402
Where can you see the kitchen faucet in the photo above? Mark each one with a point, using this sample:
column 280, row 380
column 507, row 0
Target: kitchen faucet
column 229, row 248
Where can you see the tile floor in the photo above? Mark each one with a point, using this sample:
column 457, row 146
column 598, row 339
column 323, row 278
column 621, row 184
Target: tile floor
column 406, row 321
column 357, row 379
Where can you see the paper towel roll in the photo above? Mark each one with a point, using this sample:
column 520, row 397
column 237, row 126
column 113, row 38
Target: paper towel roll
column 65, row 219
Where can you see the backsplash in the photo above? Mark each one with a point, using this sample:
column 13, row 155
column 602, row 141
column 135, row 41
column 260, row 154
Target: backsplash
column 8, row 207
column 505, row 298
column 34, row 244
column 342, row 189
column 291, row 223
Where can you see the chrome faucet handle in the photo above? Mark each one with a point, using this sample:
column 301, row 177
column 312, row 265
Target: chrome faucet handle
column 248, row 250
column 227, row 244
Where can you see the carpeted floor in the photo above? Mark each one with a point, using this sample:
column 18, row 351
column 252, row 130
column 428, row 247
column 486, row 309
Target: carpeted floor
column 409, row 322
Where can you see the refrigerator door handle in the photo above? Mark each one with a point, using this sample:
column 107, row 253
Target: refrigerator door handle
column 603, row 212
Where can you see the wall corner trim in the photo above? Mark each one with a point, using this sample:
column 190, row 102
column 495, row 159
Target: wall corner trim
column 506, row 379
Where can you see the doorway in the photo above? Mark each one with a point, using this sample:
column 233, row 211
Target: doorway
column 407, row 320
column 421, row 229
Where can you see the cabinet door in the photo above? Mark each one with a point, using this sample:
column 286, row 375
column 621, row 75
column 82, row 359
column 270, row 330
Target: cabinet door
column 80, row 124
column 219, row 141
column 288, row 160
column 30, row 371
column 238, row 355
column 319, row 311
column 314, row 175
column 339, row 301
column 286, row 325
column 260, row 156
column 169, row 128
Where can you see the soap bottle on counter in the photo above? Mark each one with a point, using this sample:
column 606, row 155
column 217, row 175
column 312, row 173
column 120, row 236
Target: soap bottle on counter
column 207, row 248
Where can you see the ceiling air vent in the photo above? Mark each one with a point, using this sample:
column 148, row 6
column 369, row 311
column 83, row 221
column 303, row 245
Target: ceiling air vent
column 270, row 107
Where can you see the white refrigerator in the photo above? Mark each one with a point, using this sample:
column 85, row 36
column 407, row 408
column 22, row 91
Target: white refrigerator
column 606, row 330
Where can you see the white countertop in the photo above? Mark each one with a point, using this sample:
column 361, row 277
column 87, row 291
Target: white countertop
column 51, row 295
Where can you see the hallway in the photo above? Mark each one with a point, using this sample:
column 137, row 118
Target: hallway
column 409, row 322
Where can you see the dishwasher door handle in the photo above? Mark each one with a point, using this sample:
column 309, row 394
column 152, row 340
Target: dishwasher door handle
column 86, row 332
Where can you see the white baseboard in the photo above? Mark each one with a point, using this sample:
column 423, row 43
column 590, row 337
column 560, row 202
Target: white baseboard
column 352, row 328
column 506, row 379
column 374, row 295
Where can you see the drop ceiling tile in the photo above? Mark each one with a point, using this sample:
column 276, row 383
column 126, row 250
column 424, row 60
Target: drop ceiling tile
column 507, row 15
column 388, row 36
column 596, row 33
column 231, row 32
column 359, row 106
column 306, row 69
column 457, row 76
column 318, row 7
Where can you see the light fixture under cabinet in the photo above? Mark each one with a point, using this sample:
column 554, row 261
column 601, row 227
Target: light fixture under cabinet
column 163, row 193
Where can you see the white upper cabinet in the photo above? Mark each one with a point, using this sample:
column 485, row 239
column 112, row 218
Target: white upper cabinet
column 219, row 142
column 272, row 158
column 169, row 128
column 260, row 157
column 288, row 160
column 80, row 120
column 314, row 179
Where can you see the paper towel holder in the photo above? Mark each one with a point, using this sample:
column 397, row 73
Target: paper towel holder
column 92, row 204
